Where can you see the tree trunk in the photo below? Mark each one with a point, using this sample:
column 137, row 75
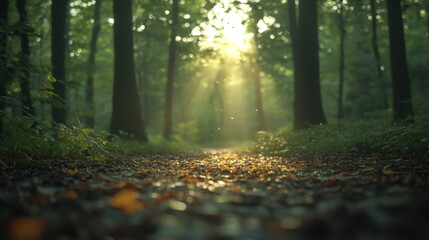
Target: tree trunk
column 377, row 54
column 341, row 62
column 258, row 94
column 293, row 29
column 25, row 60
column 168, row 124
column 126, row 112
column 402, row 104
column 308, row 100
column 4, row 13
column 89, row 96
column 58, row 58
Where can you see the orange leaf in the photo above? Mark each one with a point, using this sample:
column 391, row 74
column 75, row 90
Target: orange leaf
column 127, row 200
column 26, row 228
column 189, row 179
column 368, row 169
column 72, row 171
column 70, row 194
column 235, row 189
column 388, row 172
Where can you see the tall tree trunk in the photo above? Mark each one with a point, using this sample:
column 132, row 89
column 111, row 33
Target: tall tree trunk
column 89, row 96
column 402, row 104
column 4, row 13
column 377, row 54
column 257, row 77
column 258, row 94
column 308, row 100
column 126, row 112
column 25, row 60
column 58, row 57
column 427, row 16
column 341, row 62
column 168, row 124
column 297, row 101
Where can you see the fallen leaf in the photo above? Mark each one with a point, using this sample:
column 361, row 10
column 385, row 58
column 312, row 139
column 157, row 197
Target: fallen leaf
column 368, row 169
column 72, row 171
column 189, row 179
column 235, row 189
column 388, row 172
column 70, row 194
column 26, row 228
column 127, row 200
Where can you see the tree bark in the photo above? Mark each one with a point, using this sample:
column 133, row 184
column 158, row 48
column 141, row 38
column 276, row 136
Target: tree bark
column 259, row 102
column 308, row 109
column 25, row 59
column 89, row 96
column 298, row 91
column 4, row 13
column 58, row 57
column 402, row 104
column 126, row 112
column 169, row 92
column 341, row 62
column 377, row 54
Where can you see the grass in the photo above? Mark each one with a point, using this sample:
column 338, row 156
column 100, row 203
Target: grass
column 373, row 138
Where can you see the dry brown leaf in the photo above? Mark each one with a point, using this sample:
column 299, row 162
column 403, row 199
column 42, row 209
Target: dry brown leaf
column 189, row 179
column 388, row 172
column 72, row 171
column 70, row 194
column 368, row 169
column 26, row 228
column 127, row 200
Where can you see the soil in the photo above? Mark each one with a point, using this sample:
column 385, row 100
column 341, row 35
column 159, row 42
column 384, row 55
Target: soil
column 215, row 194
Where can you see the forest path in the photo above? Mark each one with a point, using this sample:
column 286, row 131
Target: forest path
column 216, row 194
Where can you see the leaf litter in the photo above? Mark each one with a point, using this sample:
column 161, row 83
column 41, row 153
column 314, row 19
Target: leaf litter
column 216, row 194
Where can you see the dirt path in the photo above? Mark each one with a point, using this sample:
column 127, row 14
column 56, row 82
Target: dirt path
column 216, row 194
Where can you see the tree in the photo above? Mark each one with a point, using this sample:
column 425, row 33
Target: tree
column 4, row 13
column 377, row 53
column 168, row 124
column 58, row 57
column 304, row 35
column 126, row 112
column 89, row 96
column 25, row 59
column 342, row 30
column 402, row 104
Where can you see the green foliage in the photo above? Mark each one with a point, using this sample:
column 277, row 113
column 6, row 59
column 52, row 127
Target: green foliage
column 354, row 139
column 157, row 144
column 26, row 138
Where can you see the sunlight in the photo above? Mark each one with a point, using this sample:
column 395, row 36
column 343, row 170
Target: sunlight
column 225, row 30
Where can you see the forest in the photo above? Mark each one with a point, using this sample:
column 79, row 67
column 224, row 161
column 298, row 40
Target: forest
column 207, row 119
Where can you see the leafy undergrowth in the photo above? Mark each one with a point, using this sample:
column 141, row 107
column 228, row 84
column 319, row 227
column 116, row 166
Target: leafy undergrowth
column 26, row 139
column 215, row 194
column 373, row 138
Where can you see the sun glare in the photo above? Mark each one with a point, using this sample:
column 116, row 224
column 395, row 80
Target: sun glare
column 225, row 30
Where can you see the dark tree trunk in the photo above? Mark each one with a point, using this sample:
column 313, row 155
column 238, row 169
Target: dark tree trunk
column 427, row 16
column 126, row 112
column 25, row 60
column 4, row 12
column 402, row 105
column 89, row 96
column 307, row 99
column 168, row 124
column 298, row 93
column 341, row 62
column 58, row 58
column 377, row 54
